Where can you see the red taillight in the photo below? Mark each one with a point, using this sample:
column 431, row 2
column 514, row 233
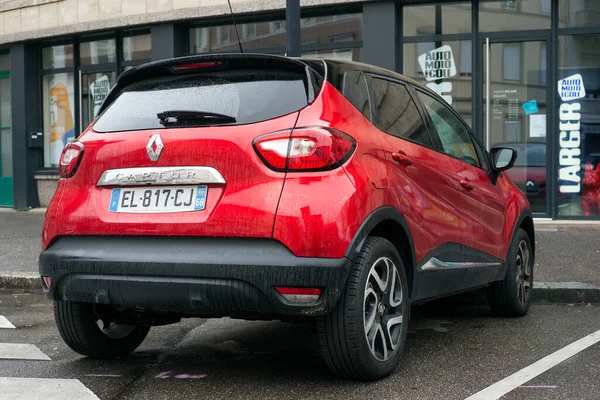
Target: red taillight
column 198, row 65
column 305, row 149
column 299, row 295
column 69, row 159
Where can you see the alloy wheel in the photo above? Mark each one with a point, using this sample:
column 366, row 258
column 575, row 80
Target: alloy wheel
column 383, row 309
column 523, row 274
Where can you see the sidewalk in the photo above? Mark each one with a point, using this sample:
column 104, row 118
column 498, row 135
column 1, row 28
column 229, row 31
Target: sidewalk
column 567, row 267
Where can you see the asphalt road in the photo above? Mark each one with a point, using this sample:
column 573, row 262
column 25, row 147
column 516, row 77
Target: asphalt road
column 452, row 352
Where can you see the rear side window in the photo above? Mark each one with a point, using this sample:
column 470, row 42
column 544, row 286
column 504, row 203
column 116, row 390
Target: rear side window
column 246, row 96
column 396, row 113
column 355, row 90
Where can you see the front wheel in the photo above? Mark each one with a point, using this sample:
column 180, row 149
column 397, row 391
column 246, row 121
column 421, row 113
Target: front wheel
column 93, row 334
column 363, row 336
column 511, row 297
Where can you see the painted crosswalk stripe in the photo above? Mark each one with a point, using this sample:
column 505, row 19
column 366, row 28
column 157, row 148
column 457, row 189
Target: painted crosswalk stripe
column 21, row 351
column 44, row 389
column 4, row 323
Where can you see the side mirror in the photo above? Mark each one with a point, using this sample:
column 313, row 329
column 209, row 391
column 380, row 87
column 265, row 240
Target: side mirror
column 503, row 158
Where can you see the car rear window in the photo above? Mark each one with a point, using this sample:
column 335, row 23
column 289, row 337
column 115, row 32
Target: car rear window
column 247, row 95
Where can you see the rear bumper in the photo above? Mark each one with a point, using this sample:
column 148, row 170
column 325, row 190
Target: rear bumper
column 196, row 276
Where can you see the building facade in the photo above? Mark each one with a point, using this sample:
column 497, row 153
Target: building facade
column 522, row 73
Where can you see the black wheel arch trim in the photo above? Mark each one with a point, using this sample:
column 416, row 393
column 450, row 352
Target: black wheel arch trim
column 524, row 214
column 381, row 214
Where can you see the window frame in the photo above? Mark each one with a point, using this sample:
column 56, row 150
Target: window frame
column 440, row 148
column 369, row 76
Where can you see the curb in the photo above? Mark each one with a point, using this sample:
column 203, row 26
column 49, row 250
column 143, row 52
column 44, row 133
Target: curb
column 20, row 282
column 565, row 292
column 543, row 292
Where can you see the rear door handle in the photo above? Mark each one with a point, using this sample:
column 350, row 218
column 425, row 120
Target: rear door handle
column 466, row 184
column 402, row 158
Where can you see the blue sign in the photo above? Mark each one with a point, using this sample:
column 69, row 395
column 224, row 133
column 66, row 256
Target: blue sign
column 530, row 107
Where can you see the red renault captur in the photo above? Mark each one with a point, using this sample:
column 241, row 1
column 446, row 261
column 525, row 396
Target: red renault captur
column 266, row 187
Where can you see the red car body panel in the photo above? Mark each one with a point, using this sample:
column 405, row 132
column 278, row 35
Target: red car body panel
column 245, row 206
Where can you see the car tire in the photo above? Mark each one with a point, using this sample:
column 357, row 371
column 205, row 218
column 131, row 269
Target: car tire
column 511, row 297
column 78, row 324
column 353, row 336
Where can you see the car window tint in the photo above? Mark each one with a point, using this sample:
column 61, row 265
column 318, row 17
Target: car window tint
column 396, row 113
column 452, row 132
column 355, row 90
column 247, row 95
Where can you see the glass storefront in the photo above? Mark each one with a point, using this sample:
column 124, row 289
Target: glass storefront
column 579, row 125
column 333, row 36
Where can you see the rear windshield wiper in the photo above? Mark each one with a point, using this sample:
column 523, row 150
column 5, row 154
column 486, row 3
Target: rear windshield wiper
column 176, row 116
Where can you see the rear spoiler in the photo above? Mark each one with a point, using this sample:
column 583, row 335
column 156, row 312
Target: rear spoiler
column 218, row 62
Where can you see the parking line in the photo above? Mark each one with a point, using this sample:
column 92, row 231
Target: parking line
column 4, row 323
column 512, row 382
column 21, row 351
column 44, row 389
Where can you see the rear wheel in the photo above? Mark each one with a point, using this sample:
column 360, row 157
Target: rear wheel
column 511, row 297
column 92, row 333
column 363, row 336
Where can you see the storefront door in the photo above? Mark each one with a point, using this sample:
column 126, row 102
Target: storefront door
column 516, row 112
column 6, row 180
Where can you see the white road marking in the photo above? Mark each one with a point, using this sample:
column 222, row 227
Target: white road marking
column 44, row 389
column 512, row 382
column 20, row 351
column 4, row 323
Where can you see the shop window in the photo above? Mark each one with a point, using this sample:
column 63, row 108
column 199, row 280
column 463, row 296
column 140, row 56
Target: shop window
column 58, row 103
column 466, row 64
column 513, row 15
column 447, row 18
column 578, row 14
column 578, row 131
column 445, row 69
column 511, row 59
column 543, row 64
column 137, row 48
column 57, row 57
column 269, row 37
column 332, row 29
column 97, row 52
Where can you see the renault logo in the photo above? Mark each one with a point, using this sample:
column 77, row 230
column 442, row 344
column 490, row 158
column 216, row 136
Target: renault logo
column 154, row 147
column 530, row 184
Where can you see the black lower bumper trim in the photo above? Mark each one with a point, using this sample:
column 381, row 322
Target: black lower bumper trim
column 203, row 276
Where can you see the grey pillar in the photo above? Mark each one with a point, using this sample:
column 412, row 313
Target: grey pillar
column 26, row 116
column 292, row 28
column 168, row 41
column 381, row 34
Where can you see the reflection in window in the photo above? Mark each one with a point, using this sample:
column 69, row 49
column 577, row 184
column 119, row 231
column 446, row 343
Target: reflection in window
column 466, row 65
column 455, row 18
column 543, row 63
column 513, row 15
column 511, row 62
column 97, row 52
column 137, row 48
column 578, row 13
column 396, row 113
column 453, row 134
column 57, row 56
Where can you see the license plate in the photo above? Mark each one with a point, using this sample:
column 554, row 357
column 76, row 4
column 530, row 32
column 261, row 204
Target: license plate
column 158, row 199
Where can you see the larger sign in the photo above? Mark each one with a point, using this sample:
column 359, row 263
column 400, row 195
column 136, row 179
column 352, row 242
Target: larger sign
column 570, row 90
column 438, row 64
